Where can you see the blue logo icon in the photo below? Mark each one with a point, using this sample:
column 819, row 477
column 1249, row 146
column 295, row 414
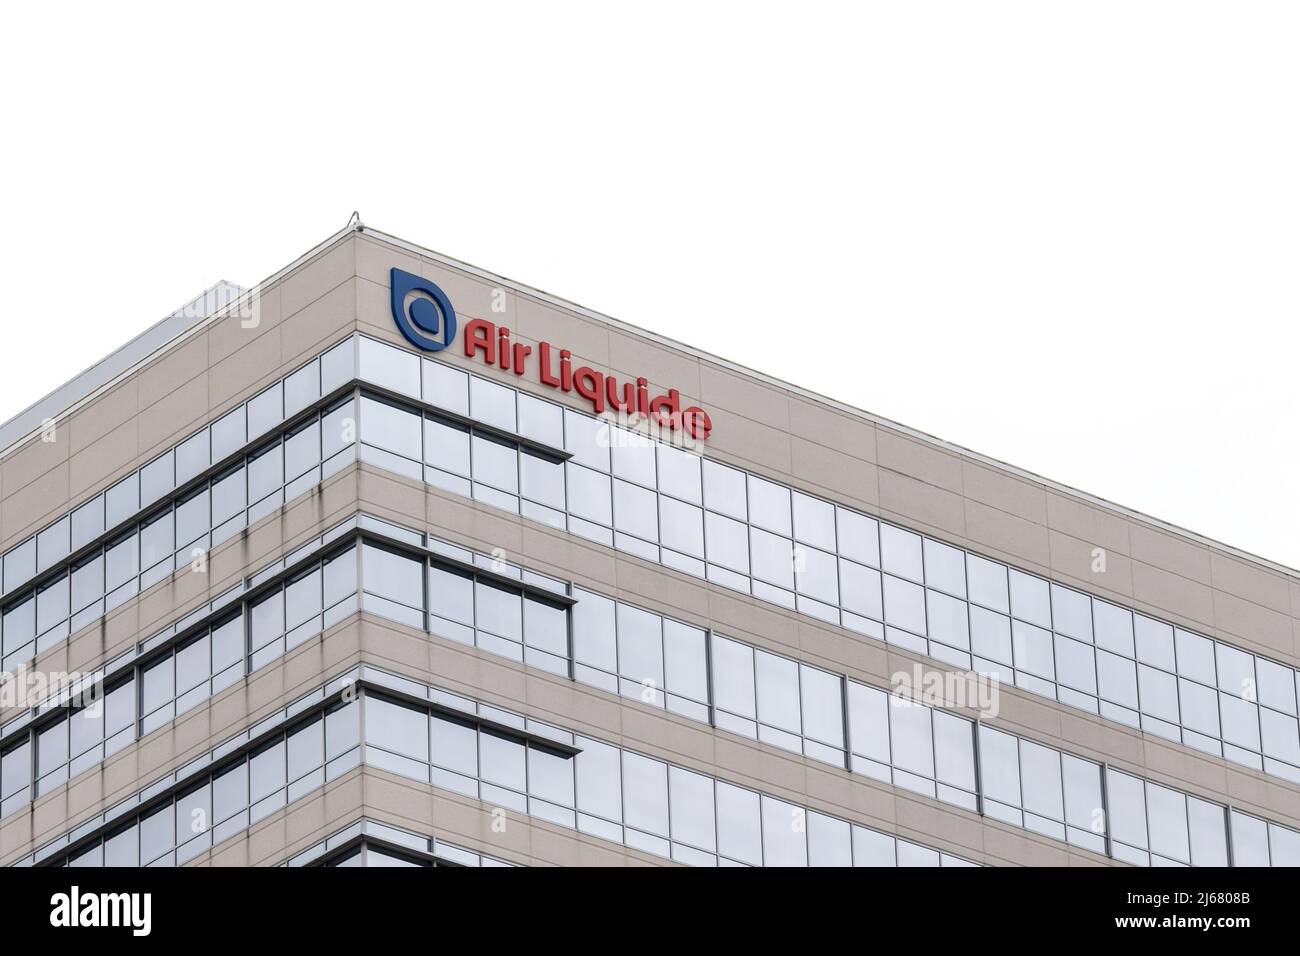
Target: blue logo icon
column 429, row 323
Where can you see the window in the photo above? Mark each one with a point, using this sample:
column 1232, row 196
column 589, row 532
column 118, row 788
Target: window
column 550, row 775
column 593, row 631
column 691, row 808
column 858, row 537
column 727, row 542
column 740, row 835
column 540, row 421
column 391, row 575
column 455, row 744
column 724, row 490
column 502, row 759
column 900, row 552
column 446, row 446
column 645, row 794
column 904, row 604
column 640, row 651
column 492, row 403
column 398, row 728
column 681, row 528
column 499, row 610
column 1071, row 613
column 495, row 462
column 1195, row 657
column 679, row 474
column 783, row 834
column 1029, row 599
column 814, row 521
column 945, row 568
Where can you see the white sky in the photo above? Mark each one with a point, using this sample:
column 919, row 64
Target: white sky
column 1064, row 235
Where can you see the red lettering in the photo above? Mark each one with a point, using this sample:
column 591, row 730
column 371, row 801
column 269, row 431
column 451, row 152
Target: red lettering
column 480, row 334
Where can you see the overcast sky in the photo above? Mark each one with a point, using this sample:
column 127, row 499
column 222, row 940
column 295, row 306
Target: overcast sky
column 1063, row 235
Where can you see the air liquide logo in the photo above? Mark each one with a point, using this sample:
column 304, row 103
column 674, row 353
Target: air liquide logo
column 424, row 315
column 428, row 323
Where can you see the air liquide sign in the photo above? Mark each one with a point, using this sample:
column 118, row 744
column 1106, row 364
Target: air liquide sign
column 425, row 316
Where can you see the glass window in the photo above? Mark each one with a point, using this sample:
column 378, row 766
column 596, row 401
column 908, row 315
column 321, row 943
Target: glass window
column 860, row 590
column 1159, row 693
column 302, row 446
column 541, row 479
column 227, row 644
column 681, row 527
column 228, row 433
column 302, row 596
column 587, row 440
column 783, row 834
column 1117, row 679
column 733, row 676
column 772, row 558
column 1040, row 780
column 230, row 792
column 390, row 367
column 1083, row 805
column 947, row 619
column 815, row 574
column 266, row 472
column 589, row 494
column 954, row 751
column 872, row 849
column 502, row 759
column 910, row 737
column 1155, row 642
column 392, row 575
column 19, row 625
column 740, row 836
column 387, row 426
column 645, row 794
column 1075, row 665
column 541, row 421
column 599, row 787
column 679, row 474
column 636, row 511
column 1277, row 685
column 546, row 626
column 1033, row 647
column 52, row 604
column 632, row 457
column 492, row 403
column 451, row 594
column 446, row 446
column 999, row 766
column 157, row 540
column 830, row 842
column 640, row 646
column 769, row 505
column 814, row 521
column 1128, row 822
column 904, row 604
column 306, row 748
column 229, row 495
column 728, row 542
column 823, row 709
column 159, row 684
column 1114, row 627
column 455, row 744
column 157, row 833
column 1030, row 600
column 445, row 387
column 988, row 583
column 266, row 771
column 900, row 552
column 1195, row 656
column 1249, row 840
column 691, row 808
column 1167, row 815
column 1236, row 670
column 724, row 490
column 266, row 621
column 193, row 664
column 685, row 666
column 550, row 775
column 945, row 568
column 496, row 463
column 990, row 635
column 1199, row 706
column 193, row 518
column 157, row 478
column 593, row 630
column 87, row 582
column 859, row 539
column 499, row 610
column 120, row 502
column 777, row 681
column 869, row 722
column 88, row 522
column 1071, row 613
